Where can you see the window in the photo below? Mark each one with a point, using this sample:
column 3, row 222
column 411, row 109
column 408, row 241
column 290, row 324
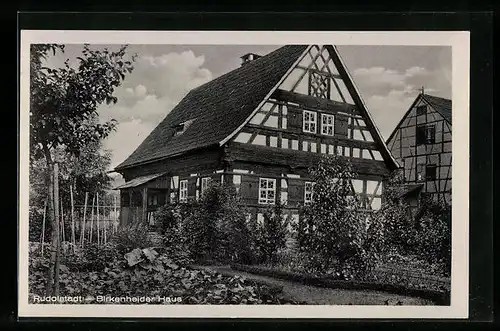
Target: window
column 426, row 134
column 308, row 192
column 267, row 190
column 430, row 172
column 309, row 118
column 178, row 129
column 183, row 190
column 152, row 200
column 421, row 110
column 327, row 124
column 204, row 184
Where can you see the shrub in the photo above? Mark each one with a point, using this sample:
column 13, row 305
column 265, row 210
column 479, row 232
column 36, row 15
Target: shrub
column 426, row 236
column 214, row 228
column 271, row 235
column 132, row 236
column 432, row 234
column 332, row 230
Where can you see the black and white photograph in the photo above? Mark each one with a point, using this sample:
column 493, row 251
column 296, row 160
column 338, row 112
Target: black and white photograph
column 279, row 177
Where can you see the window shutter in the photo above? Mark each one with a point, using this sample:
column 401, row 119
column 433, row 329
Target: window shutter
column 294, row 119
column 249, row 189
column 295, row 191
column 192, row 187
column 341, row 125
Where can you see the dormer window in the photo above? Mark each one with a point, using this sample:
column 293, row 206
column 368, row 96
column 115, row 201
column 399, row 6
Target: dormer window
column 181, row 127
column 249, row 57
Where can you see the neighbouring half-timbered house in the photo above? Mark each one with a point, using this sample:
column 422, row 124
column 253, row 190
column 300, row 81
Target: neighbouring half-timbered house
column 260, row 127
column 422, row 145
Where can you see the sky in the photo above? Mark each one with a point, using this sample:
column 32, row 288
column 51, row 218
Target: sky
column 388, row 78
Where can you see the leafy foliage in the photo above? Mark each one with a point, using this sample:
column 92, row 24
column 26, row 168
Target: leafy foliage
column 425, row 235
column 213, row 229
column 130, row 237
column 432, row 234
column 272, row 234
column 64, row 101
column 150, row 272
column 332, row 230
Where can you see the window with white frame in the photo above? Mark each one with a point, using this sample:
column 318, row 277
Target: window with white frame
column 183, row 190
column 327, row 122
column 267, row 190
column 308, row 192
column 204, row 184
column 309, row 121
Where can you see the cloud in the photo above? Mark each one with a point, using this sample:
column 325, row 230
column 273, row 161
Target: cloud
column 147, row 95
column 389, row 93
column 126, row 139
column 380, row 80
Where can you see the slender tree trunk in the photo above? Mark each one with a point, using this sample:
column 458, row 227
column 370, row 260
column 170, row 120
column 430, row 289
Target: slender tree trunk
column 52, row 286
column 43, row 224
column 55, row 230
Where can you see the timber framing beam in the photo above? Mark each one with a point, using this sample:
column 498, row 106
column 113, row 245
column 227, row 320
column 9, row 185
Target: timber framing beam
column 334, row 140
column 309, row 101
column 297, row 159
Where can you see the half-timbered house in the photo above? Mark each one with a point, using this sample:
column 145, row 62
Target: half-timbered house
column 421, row 143
column 260, row 127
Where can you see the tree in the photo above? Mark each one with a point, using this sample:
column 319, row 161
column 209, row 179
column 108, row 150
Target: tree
column 63, row 108
column 333, row 230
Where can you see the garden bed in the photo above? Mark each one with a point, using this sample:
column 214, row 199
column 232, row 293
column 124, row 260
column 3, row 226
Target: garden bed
column 439, row 297
column 146, row 273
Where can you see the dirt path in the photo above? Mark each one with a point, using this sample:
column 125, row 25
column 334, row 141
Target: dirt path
column 323, row 296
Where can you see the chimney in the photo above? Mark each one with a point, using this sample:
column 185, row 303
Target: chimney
column 249, row 57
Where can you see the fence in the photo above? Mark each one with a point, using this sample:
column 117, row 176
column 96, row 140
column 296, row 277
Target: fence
column 93, row 222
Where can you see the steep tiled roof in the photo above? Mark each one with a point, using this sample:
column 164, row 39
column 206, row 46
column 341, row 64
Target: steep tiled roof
column 441, row 105
column 214, row 110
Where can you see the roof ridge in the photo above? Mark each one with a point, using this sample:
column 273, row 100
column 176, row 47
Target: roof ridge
column 434, row 96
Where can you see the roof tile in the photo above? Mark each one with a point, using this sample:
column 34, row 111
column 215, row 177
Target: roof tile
column 217, row 107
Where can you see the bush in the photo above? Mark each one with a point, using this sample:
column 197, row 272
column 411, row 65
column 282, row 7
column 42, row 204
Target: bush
column 331, row 229
column 132, row 236
column 271, row 235
column 426, row 236
column 432, row 234
column 214, row 228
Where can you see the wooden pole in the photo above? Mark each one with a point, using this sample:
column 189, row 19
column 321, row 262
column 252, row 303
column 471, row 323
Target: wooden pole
column 82, row 231
column 115, row 220
column 57, row 236
column 98, row 225
column 43, row 223
column 62, row 226
column 105, row 219
column 92, row 220
column 73, row 233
